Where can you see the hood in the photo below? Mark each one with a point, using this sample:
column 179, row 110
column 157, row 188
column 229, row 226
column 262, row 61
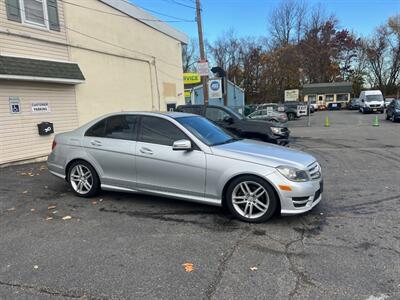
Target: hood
column 264, row 154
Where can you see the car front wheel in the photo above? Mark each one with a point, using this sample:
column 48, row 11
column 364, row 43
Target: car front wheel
column 83, row 179
column 291, row 116
column 251, row 199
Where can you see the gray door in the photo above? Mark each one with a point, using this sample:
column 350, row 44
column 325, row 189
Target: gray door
column 111, row 144
column 161, row 169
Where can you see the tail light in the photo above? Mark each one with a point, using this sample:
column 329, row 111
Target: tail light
column 53, row 145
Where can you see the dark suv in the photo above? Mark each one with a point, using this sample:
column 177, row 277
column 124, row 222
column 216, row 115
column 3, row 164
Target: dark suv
column 236, row 124
column 393, row 110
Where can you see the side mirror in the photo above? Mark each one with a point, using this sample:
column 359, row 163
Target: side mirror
column 228, row 120
column 362, row 100
column 182, row 145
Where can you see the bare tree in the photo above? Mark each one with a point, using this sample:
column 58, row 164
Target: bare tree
column 282, row 22
column 189, row 56
column 382, row 52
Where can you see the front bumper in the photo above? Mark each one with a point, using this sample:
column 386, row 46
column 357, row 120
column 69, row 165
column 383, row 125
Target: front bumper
column 302, row 197
column 373, row 109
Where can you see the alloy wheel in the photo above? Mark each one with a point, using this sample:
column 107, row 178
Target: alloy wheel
column 81, row 179
column 250, row 199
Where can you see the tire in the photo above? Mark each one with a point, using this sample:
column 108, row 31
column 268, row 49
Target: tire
column 246, row 206
column 387, row 116
column 291, row 116
column 83, row 179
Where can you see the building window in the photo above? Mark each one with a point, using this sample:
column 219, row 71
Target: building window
column 312, row 98
column 342, row 97
column 34, row 12
column 329, row 98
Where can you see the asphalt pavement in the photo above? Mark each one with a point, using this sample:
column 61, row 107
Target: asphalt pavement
column 54, row 245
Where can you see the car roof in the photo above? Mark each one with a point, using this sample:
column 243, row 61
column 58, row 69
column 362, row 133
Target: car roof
column 171, row 114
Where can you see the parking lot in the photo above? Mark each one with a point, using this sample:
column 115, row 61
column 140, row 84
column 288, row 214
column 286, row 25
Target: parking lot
column 54, row 245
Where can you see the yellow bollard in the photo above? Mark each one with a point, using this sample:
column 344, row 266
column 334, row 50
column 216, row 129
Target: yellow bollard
column 327, row 121
column 376, row 121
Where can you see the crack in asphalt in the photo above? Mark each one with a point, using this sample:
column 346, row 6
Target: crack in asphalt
column 212, row 287
column 301, row 278
column 54, row 292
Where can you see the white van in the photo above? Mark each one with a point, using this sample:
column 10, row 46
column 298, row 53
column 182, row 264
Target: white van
column 371, row 101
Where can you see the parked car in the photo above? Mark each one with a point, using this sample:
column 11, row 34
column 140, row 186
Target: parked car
column 313, row 105
column 295, row 109
column 334, row 106
column 187, row 157
column 393, row 111
column 354, row 104
column 240, row 126
column 388, row 101
column 371, row 101
column 268, row 115
column 248, row 109
column 274, row 106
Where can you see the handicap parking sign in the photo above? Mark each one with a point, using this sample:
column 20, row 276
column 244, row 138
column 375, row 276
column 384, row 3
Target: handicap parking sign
column 15, row 105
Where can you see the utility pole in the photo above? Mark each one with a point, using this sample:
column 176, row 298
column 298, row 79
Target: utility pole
column 203, row 58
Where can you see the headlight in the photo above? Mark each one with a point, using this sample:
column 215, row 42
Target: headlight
column 276, row 130
column 293, row 174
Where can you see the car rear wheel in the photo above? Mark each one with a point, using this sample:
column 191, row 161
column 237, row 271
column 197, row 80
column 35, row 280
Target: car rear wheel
column 291, row 116
column 83, row 179
column 251, row 199
column 387, row 116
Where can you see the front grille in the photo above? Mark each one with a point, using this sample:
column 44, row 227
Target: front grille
column 375, row 105
column 314, row 170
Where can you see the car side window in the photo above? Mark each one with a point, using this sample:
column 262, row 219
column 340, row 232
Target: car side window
column 97, row 130
column 120, row 127
column 216, row 114
column 159, row 131
column 116, row 127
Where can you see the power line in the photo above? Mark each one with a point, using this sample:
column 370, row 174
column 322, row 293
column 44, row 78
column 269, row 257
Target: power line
column 124, row 16
column 181, row 4
column 156, row 12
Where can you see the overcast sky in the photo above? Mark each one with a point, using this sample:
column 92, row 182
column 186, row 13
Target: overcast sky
column 249, row 17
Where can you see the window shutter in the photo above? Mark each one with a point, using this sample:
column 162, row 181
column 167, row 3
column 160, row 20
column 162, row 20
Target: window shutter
column 13, row 10
column 52, row 11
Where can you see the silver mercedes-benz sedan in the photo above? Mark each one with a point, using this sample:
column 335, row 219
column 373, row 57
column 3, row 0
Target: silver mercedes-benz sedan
column 186, row 156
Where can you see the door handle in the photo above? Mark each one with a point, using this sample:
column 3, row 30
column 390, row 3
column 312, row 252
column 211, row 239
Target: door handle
column 96, row 143
column 145, row 150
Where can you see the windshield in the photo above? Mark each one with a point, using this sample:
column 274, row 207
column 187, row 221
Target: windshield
column 371, row 98
column 206, row 131
column 236, row 114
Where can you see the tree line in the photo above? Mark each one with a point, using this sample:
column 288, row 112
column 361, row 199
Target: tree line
column 305, row 45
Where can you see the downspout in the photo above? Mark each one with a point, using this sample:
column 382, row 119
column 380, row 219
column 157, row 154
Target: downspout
column 157, row 83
